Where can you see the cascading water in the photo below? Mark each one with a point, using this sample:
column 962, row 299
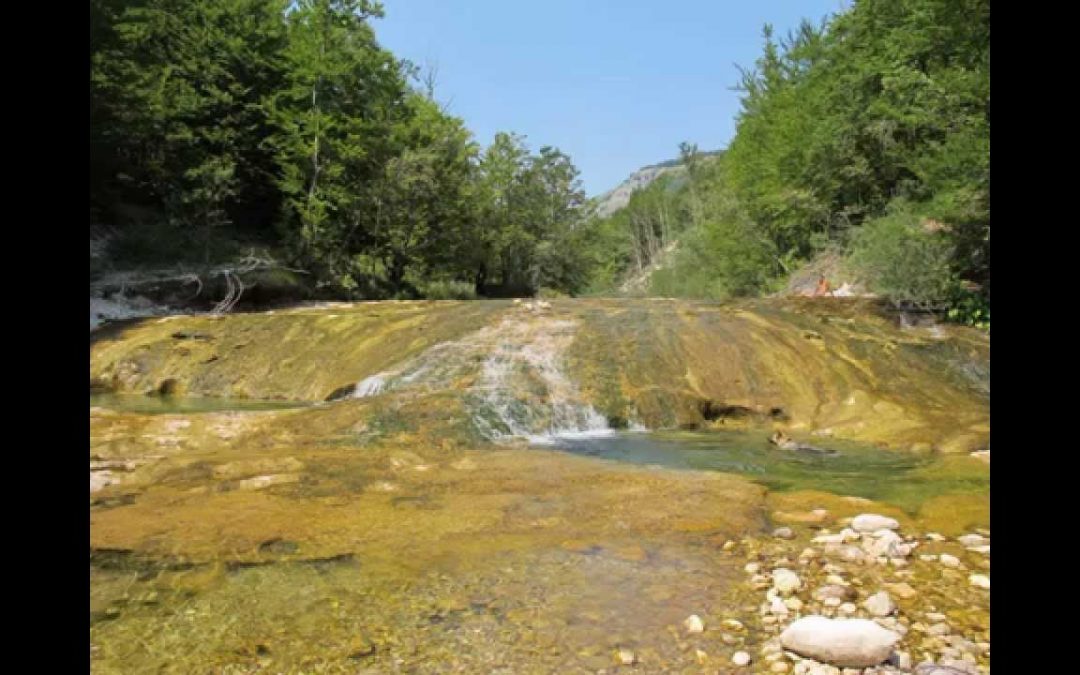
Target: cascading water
column 520, row 390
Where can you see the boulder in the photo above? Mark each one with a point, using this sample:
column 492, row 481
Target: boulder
column 846, row 643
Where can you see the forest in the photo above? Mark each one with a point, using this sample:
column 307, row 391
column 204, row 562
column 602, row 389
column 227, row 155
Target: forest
column 220, row 127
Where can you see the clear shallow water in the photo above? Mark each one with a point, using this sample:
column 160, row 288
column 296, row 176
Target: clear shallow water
column 161, row 405
column 900, row 478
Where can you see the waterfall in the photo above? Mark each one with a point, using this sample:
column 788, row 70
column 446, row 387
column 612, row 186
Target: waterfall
column 513, row 379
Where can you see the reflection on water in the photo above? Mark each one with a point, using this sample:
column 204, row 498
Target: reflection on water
column 903, row 479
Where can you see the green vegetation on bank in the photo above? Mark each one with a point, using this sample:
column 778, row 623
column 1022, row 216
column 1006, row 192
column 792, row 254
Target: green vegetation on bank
column 868, row 135
column 222, row 125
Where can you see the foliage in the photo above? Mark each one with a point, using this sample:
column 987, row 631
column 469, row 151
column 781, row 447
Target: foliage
column 287, row 122
column 899, row 258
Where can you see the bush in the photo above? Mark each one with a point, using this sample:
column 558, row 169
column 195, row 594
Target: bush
column 448, row 290
column 898, row 258
column 970, row 308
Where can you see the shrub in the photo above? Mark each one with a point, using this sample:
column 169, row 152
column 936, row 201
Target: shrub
column 898, row 258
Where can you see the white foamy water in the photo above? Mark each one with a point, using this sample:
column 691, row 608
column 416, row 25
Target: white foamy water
column 517, row 387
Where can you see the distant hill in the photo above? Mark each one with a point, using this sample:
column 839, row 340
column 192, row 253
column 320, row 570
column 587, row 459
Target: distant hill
column 618, row 197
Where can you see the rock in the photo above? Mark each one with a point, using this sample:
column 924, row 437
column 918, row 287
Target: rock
column 848, row 608
column 733, row 624
column 972, row 540
column 701, row 656
column 928, row 557
column 845, row 552
column 837, row 591
column 854, row 643
column 929, row 668
column 938, row 629
column 980, row 580
column 785, row 581
column 871, row 522
column 694, row 624
column 778, row 608
column 949, row 560
column 880, row 604
column 627, row 657
column 779, row 667
column 985, row 549
column 783, row 533
column 793, row 603
column 752, row 568
column 888, row 544
column 740, row 658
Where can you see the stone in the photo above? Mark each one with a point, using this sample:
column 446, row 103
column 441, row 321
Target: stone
column 853, row 643
column 627, row 657
column 929, row 668
column 783, row 533
column 778, row 608
column 785, row 581
column 949, row 560
column 902, row 590
column 880, row 604
column 793, row 603
column 733, row 624
column 845, row 552
column 701, row 656
column 694, row 624
column 837, row 591
column 740, row 658
column 934, row 536
column 871, row 522
column 779, row 667
column 980, row 580
column 752, row 568
column 848, row 608
column 887, row 543
column 972, row 540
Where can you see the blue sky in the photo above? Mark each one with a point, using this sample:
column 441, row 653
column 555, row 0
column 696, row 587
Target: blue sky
column 615, row 84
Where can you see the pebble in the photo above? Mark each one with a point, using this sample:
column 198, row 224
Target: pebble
column 949, row 560
column 779, row 667
column 972, row 540
column 752, row 568
column 785, row 581
column 980, row 580
column 778, row 607
column 740, row 658
column 848, row 608
column 880, row 604
column 694, row 624
column 793, row 603
column 627, row 657
column 871, row 522
column 783, row 533
column 733, row 624
column 934, row 536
